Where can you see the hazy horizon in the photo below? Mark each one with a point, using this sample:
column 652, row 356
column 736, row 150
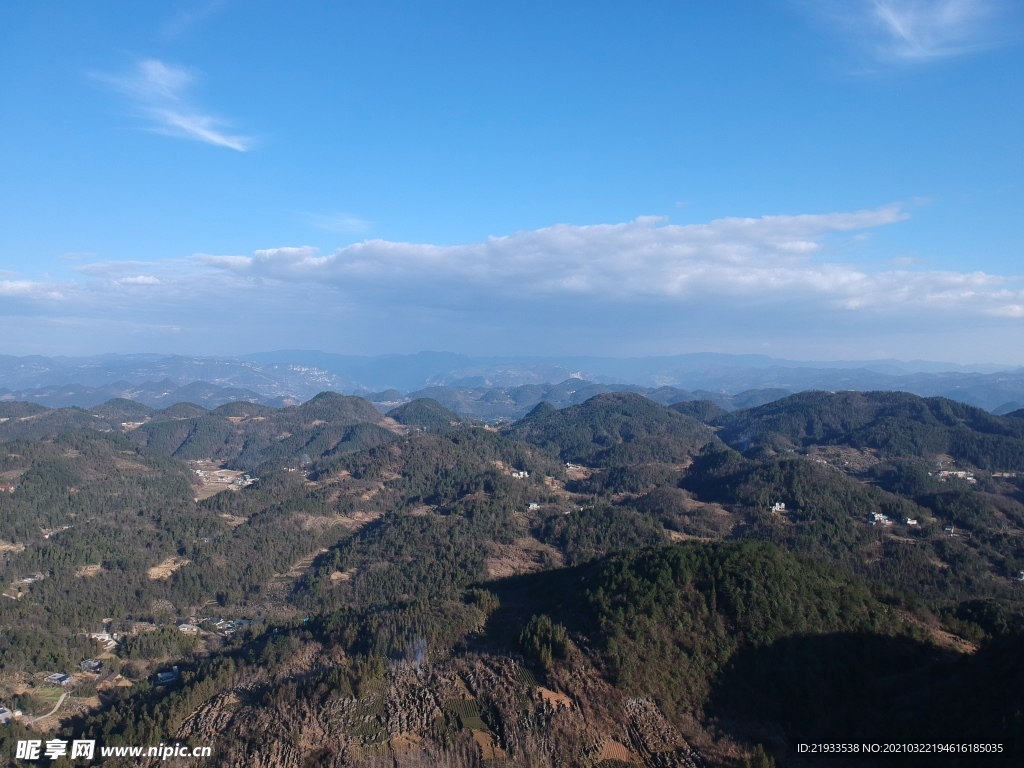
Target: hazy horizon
column 739, row 357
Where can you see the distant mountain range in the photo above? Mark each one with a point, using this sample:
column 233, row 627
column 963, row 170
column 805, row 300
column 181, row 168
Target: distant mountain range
column 484, row 387
column 156, row 394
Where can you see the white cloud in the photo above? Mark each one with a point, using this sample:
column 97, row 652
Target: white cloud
column 923, row 30
column 732, row 281
column 101, row 268
column 159, row 94
column 28, row 289
column 773, row 260
column 224, row 262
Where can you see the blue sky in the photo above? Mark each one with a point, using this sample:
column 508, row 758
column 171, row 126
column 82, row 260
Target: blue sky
column 810, row 179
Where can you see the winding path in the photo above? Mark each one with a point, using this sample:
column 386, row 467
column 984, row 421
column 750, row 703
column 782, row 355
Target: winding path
column 52, row 711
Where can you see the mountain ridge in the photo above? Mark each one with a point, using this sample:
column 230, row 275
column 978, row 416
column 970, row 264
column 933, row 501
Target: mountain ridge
column 288, row 376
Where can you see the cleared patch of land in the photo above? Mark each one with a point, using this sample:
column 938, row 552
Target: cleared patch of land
column 233, row 520
column 677, row 536
column 614, row 750
column 577, row 472
column 87, row 571
column 399, row 429
column 132, row 466
column 489, row 750
column 525, row 556
column 322, row 523
column 940, row 637
column 344, row 575
column 167, row 568
column 214, row 478
column 298, row 569
column 555, row 699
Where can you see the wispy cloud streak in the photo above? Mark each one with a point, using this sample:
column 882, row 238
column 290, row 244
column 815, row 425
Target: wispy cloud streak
column 924, row 30
column 339, row 223
column 931, row 29
column 159, row 94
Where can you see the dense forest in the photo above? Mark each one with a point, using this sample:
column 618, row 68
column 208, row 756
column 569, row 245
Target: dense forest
column 615, row 582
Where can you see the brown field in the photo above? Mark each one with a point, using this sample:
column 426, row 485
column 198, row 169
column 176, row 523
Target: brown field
column 488, row 749
column 321, row 523
column 87, row 571
column 299, row 568
column 576, row 472
column 358, row 519
column 215, row 479
column 940, row 637
column 167, row 568
column 372, row 492
column 9, row 546
column 675, row 536
column 555, row 699
column 613, row 750
column 525, row 556
column 233, row 520
column 399, row 429
column 127, row 465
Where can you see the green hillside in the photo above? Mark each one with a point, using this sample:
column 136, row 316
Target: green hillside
column 613, row 428
column 670, row 619
column 894, row 423
column 424, row 413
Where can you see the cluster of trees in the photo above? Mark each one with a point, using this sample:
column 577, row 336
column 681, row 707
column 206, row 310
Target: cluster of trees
column 543, row 641
column 594, row 531
column 669, row 619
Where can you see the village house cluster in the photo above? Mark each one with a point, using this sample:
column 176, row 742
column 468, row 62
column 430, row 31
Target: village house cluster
column 959, row 474
column 221, row 627
column 27, row 579
column 224, row 476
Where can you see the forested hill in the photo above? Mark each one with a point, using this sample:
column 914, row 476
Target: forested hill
column 614, row 428
column 894, row 423
column 618, row 580
column 427, row 414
